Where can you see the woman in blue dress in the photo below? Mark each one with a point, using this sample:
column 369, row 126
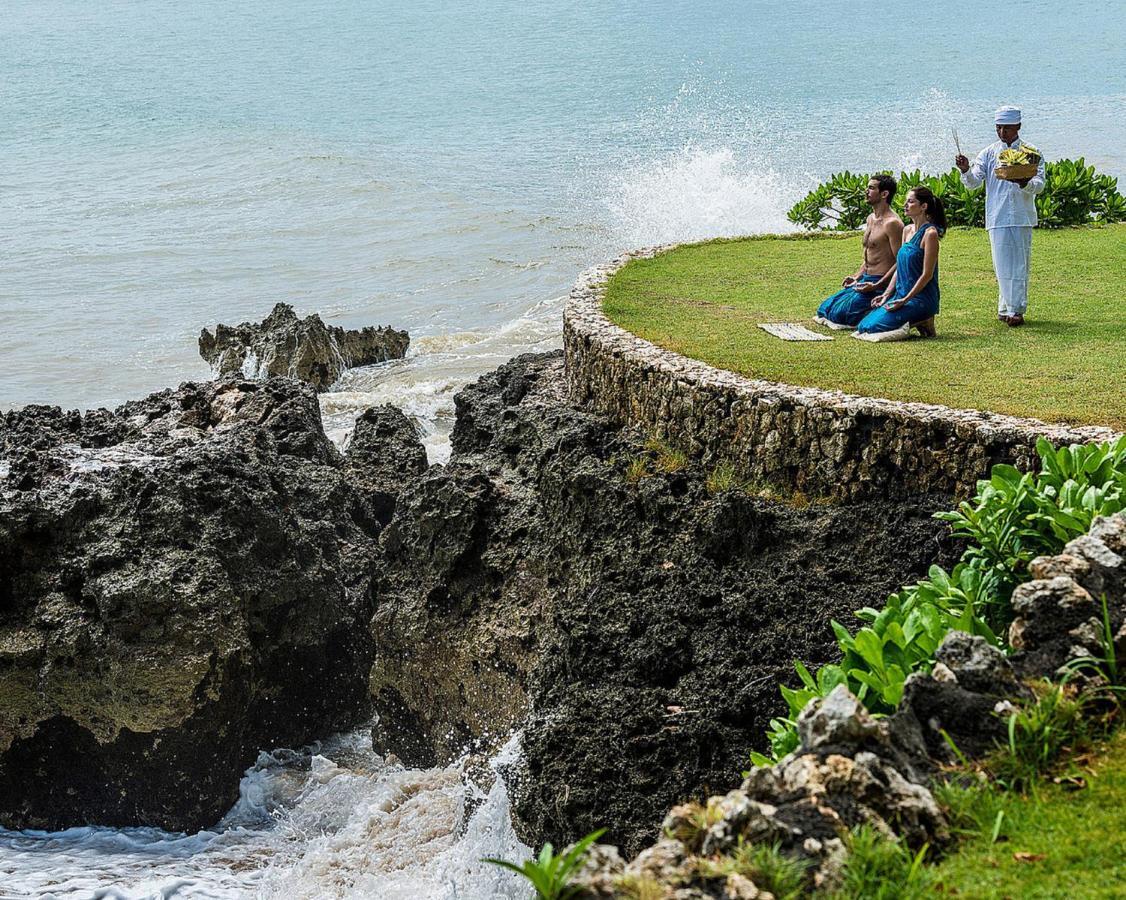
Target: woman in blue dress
column 911, row 299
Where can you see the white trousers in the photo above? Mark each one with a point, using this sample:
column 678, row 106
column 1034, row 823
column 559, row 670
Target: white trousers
column 1012, row 256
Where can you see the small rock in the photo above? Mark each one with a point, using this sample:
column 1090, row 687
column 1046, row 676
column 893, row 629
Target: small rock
column 976, row 664
column 838, row 720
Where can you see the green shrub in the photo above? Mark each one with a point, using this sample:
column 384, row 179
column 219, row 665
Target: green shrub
column 550, row 873
column 1013, row 518
column 1074, row 194
column 1016, row 517
column 839, row 201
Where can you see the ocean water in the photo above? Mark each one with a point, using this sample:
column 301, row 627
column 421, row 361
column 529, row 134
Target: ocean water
column 448, row 169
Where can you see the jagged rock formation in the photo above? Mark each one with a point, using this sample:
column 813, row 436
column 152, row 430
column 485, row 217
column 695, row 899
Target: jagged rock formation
column 1059, row 612
column 636, row 628
column 307, row 349
column 848, row 770
column 183, row 583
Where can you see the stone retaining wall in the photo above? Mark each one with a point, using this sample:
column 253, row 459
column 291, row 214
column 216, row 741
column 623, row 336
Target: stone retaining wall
column 826, row 443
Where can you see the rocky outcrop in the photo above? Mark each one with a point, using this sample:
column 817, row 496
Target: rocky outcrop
column 306, row 349
column 848, row 770
column 1059, row 613
column 822, row 442
column 183, row 583
column 636, row 625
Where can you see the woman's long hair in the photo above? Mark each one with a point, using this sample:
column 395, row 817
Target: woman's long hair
column 935, row 211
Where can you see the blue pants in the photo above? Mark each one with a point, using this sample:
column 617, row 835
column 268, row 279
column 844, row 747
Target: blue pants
column 881, row 319
column 848, row 307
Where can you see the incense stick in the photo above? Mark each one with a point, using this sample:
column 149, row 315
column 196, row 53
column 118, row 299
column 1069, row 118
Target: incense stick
column 957, row 143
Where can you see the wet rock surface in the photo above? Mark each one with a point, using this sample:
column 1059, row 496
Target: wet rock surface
column 306, row 349
column 644, row 623
column 183, row 583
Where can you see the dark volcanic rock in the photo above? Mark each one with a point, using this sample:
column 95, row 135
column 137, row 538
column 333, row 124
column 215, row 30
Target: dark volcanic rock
column 183, row 582
column 283, row 345
column 639, row 627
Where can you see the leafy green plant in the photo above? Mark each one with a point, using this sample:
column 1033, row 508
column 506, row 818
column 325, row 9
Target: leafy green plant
column 1016, row 517
column 839, row 201
column 550, row 873
column 899, row 639
column 879, row 868
column 1074, row 194
column 1013, row 518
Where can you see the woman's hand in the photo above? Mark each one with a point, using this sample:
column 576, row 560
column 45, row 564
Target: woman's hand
column 879, row 301
column 893, row 305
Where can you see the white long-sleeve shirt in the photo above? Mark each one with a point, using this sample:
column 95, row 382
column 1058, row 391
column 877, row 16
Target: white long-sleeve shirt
column 1007, row 204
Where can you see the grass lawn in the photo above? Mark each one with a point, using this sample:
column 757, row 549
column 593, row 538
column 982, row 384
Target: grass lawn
column 1062, row 843
column 1067, row 364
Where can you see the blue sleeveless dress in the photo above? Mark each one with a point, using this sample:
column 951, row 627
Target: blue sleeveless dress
column 908, row 268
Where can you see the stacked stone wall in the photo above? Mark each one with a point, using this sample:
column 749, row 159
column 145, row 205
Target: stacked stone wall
column 825, row 443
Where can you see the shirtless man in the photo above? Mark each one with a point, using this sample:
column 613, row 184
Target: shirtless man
column 883, row 235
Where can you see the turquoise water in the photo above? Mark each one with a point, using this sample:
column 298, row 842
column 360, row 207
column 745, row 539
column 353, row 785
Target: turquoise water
column 449, row 169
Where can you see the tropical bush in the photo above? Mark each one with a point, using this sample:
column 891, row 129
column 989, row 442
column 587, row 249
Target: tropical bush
column 1074, row 194
column 1016, row 517
column 1012, row 519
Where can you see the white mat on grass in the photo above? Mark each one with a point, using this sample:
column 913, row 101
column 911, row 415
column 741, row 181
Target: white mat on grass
column 788, row 331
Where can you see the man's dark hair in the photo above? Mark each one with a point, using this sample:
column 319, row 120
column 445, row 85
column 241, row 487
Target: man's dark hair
column 886, row 183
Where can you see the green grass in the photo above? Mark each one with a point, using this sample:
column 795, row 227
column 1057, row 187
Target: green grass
column 1059, row 842
column 1068, row 364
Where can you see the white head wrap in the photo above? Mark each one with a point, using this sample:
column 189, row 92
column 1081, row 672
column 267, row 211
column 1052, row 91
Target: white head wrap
column 1007, row 115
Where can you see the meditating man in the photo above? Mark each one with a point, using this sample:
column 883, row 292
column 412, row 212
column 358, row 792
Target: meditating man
column 883, row 234
column 1010, row 216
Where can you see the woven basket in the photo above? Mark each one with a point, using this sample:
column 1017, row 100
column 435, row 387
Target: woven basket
column 1016, row 173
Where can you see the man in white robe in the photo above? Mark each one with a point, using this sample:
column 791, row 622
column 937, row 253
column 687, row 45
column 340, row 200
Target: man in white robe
column 1010, row 216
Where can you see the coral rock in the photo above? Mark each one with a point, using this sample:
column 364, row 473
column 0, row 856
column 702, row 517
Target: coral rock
column 306, row 349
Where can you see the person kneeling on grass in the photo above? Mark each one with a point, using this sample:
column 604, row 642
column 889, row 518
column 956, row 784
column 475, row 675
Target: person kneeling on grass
column 911, row 300
column 883, row 234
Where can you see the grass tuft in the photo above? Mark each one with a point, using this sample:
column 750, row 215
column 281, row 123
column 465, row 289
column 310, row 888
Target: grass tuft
column 878, row 868
column 666, row 459
column 765, row 865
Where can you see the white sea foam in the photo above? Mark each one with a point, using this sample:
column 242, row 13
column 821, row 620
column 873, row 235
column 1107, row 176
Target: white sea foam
column 333, row 820
column 694, row 194
column 250, row 365
column 424, row 384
